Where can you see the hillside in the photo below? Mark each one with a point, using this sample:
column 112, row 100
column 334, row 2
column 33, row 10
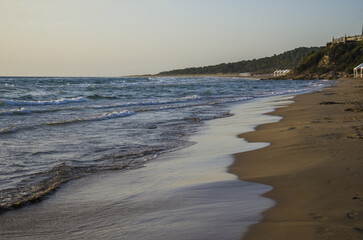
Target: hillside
column 332, row 61
column 285, row 60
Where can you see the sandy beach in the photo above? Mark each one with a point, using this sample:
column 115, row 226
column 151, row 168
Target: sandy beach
column 314, row 164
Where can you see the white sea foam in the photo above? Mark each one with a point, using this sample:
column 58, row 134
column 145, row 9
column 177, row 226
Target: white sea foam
column 149, row 102
column 82, row 85
column 232, row 100
column 50, row 102
column 153, row 82
column 16, row 111
column 8, row 85
column 106, row 116
column 101, row 117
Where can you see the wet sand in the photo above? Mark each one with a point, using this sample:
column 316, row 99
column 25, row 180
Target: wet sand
column 315, row 165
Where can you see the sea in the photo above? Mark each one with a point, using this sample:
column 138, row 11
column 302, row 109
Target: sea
column 56, row 129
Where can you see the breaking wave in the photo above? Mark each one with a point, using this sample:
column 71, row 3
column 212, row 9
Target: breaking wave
column 50, row 102
column 149, row 102
column 104, row 116
column 16, row 111
column 8, row 130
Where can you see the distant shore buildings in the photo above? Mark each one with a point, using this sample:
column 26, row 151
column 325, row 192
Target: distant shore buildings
column 358, row 70
column 346, row 39
column 245, row 74
column 280, row 72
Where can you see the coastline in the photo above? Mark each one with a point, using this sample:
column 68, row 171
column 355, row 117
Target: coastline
column 314, row 164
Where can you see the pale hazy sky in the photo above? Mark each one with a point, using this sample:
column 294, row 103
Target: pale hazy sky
column 123, row 37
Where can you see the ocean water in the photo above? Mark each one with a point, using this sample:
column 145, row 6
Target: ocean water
column 53, row 130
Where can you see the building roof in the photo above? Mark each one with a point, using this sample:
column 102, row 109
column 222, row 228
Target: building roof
column 359, row 66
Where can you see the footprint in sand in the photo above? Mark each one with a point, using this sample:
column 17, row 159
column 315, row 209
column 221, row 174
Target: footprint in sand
column 352, row 214
column 357, row 196
column 289, row 129
column 323, row 230
column 318, row 217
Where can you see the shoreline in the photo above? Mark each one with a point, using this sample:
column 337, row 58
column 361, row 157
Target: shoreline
column 186, row 194
column 314, row 164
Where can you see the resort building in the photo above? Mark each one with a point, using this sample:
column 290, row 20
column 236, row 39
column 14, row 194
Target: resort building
column 358, row 71
column 346, row 39
column 246, row 74
column 280, row 72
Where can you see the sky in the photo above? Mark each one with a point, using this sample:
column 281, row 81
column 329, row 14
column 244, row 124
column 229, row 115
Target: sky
column 128, row 37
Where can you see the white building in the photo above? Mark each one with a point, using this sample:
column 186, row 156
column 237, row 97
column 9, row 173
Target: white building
column 358, row 69
column 280, row 72
column 246, row 74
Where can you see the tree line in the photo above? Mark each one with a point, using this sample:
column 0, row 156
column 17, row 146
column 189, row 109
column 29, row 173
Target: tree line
column 286, row 60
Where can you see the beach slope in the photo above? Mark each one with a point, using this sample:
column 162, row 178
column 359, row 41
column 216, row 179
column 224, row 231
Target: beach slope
column 314, row 163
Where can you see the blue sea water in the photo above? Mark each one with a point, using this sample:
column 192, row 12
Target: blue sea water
column 54, row 129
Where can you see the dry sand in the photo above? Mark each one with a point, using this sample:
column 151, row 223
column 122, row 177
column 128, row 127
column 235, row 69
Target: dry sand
column 314, row 163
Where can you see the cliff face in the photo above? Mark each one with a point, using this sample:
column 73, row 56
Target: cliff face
column 325, row 62
column 332, row 61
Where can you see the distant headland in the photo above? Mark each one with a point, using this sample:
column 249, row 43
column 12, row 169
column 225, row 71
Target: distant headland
column 338, row 58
